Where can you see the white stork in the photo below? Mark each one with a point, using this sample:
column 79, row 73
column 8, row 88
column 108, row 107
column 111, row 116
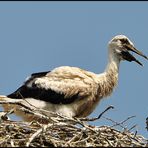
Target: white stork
column 72, row 91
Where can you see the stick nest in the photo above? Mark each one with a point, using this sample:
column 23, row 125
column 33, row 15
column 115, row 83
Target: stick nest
column 66, row 132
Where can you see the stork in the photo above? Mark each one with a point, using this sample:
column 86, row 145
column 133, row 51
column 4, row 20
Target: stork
column 75, row 92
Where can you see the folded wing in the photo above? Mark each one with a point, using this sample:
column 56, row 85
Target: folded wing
column 52, row 87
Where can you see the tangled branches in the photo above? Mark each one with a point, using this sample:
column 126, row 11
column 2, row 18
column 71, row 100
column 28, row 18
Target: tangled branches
column 63, row 131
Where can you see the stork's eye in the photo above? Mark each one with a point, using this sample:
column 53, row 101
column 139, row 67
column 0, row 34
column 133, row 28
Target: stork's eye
column 124, row 41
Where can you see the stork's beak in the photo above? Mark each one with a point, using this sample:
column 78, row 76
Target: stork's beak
column 131, row 57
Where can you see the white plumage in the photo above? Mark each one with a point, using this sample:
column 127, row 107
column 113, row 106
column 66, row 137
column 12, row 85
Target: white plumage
column 72, row 91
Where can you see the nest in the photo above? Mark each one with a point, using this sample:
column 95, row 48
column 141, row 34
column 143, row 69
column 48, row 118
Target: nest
column 62, row 131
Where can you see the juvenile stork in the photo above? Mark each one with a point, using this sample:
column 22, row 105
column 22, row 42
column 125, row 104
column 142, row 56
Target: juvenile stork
column 75, row 92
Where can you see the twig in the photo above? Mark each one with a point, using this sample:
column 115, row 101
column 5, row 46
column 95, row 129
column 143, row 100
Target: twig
column 147, row 123
column 135, row 134
column 93, row 119
column 74, row 138
column 127, row 119
column 110, row 107
column 25, row 109
column 34, row 136
column 120, row 123
column 38, row 132
column 12, row 143
column 116, row 123
column 15, row 103
column 5, row 116
column 132, row 127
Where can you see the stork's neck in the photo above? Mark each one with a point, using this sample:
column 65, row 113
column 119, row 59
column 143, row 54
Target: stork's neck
column 109, row 79
column 113, row 64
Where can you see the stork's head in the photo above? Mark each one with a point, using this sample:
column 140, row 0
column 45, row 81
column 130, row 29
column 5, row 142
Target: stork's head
column 121, row 47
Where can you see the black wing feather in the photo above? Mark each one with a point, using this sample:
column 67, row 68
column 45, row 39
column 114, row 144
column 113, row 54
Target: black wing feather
column 47, row 95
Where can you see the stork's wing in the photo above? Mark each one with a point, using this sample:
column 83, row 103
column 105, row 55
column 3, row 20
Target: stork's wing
column 50, row 89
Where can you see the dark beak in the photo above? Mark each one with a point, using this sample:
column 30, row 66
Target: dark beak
column 127, row 56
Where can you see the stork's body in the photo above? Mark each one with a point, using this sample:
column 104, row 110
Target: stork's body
column 68, row 90
column 72, row 91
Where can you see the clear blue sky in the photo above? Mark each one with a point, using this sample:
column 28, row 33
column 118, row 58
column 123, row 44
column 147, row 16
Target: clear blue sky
column 39, row 36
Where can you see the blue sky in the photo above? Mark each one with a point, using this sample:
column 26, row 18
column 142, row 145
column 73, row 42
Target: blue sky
column 39, row 36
